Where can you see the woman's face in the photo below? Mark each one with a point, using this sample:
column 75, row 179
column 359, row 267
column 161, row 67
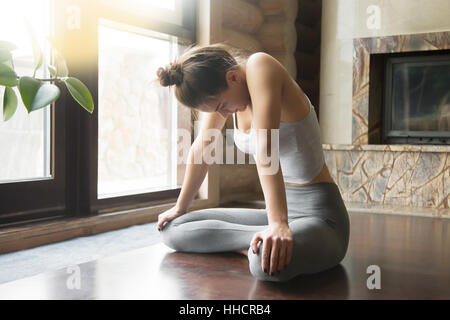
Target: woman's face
column 235, row 98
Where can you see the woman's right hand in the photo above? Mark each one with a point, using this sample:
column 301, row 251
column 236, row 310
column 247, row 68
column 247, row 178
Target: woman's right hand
column 168, row 215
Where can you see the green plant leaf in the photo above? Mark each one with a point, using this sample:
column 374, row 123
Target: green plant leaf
column 61, row 66
column 9, row 103
column 80, row 93
column 36, row 95
column 28, row 88
column 37, row 53
column 8, row 63
column 7, row 76
column 60, row 62
column 46, row 94
column 52, row 70
column 6, row 58
column 5, row 55
column 6, row 45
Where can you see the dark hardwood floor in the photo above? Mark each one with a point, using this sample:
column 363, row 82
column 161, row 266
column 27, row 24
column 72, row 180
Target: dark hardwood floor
column 412, row 253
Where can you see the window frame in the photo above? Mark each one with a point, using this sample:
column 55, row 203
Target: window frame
column 72, row 191
column 84, row 184
column 39, row 198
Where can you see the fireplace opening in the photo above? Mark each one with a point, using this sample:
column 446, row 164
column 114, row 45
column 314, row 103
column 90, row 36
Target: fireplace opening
column 416, row 106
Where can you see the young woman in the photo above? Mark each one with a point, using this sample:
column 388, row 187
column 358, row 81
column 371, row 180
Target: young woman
column 305, row 226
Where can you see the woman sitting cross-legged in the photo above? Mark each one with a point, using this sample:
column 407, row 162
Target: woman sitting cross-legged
column 305, row 226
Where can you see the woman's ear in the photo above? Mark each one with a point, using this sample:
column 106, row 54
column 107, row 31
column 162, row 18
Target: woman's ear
column 231, row 76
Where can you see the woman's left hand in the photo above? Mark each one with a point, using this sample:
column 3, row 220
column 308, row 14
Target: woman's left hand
column 277, row 247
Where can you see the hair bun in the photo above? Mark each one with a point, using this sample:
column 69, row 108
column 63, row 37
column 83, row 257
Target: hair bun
column 170, row 75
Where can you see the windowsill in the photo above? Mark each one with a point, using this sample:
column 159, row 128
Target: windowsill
column 34, row 234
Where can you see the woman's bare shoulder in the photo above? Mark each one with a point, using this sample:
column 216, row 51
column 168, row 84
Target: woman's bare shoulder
column 261, row 65
column 265, row 74
column 263, row 59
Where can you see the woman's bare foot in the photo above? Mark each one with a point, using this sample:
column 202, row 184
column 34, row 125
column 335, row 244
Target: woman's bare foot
column 243, row 251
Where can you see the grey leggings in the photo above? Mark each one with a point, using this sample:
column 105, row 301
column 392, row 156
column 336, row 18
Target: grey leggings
column 317, row 218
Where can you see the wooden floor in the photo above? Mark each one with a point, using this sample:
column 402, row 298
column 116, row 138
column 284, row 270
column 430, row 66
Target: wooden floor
column 413, row 254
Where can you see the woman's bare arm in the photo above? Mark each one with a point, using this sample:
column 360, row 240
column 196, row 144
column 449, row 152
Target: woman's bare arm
column 196, row 172
column 265, row 82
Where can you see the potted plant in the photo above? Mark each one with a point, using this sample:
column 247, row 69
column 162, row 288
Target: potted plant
column 37, row 93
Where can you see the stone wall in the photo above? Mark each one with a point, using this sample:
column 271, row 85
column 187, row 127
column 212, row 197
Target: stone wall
column 410, row 177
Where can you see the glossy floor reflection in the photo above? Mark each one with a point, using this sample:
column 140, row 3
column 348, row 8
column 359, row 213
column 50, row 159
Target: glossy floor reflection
column 411, row 252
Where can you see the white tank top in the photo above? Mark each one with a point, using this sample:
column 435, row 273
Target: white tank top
column 300, row 147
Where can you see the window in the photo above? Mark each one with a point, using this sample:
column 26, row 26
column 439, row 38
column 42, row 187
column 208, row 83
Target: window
column 167, row 10
column 62, row 161
column 137, row 117
column 25, row 138
column 32, row 152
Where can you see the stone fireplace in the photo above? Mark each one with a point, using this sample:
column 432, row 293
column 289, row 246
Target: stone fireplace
column 387, row 165
column 416, row 104
column 368, row 75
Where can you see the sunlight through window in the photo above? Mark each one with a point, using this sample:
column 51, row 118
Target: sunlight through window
column 25, row 138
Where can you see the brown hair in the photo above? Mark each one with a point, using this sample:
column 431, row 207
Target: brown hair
column 199, row 72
